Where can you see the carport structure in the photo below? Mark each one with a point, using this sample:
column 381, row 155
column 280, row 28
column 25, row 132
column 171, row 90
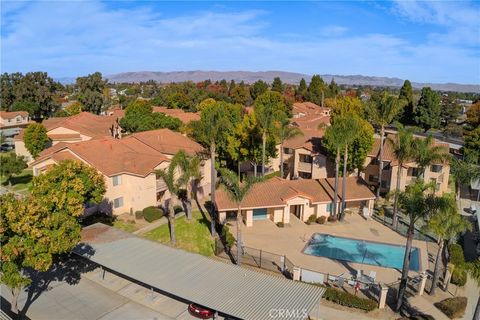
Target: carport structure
column 226, row 288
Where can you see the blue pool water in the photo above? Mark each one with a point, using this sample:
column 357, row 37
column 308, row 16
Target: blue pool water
column 359, row 251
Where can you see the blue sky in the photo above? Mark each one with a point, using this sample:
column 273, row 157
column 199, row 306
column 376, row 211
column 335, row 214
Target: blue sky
column 421, row 41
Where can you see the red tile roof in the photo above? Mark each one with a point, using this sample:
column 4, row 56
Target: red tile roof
column 85, row 123
column 276, row 192
column 183, row 116
column 109, row 156
column 12, row 114
column 167, row 141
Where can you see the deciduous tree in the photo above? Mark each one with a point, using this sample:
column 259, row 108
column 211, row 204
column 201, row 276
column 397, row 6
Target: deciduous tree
column 90, row 92
column 35, row 138
column 11, row 165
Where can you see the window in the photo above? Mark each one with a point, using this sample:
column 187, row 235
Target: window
column 374, row 161
column 118, row 202
column 414, row 172
column 386, row 166
column 19, row 119
column 117, row 180
column 329, row 207
column 306, row 158
column 304, row 175
column 288, row 150
column 436, row 168
column 384, row 184
column 373, row 178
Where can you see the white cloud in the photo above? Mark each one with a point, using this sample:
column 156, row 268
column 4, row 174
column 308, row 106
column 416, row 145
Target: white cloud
column 74, row 38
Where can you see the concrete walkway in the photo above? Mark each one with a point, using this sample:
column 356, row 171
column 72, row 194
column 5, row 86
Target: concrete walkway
column 425, row 306
column 472, row 291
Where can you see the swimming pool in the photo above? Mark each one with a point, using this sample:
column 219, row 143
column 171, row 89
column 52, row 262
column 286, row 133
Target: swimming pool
column 360, row 251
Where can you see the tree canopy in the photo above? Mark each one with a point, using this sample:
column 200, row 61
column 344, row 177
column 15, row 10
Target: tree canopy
column 428, row 111
column 35, row 138
column 315, row 89
column 139, row 116
column 408, row 101
column 11, row 164
column 90, row 92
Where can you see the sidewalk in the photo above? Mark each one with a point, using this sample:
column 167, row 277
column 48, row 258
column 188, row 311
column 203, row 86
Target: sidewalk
column 424, row 306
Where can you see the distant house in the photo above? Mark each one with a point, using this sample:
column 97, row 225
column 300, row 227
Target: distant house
column 81, row 127
column 128, row 166
column 437, row 173
column 12, row 122
column 277, row 199
column 185, row 117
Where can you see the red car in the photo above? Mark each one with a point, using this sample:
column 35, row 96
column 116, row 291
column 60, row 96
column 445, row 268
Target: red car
column 199, row 311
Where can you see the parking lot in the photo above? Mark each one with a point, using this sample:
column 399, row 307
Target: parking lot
column 96, row 295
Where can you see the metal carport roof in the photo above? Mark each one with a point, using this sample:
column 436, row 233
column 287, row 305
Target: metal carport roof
column 229, row 289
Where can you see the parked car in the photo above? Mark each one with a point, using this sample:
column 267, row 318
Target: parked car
column 200, row 312
column 6, row 147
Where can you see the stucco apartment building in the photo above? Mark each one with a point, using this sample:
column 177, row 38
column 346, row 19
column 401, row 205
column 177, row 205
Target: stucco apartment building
column 302, row 156
column 128, row 166
column 437, row 173
column 12, row 122
column 81, row 127
column 279, row 199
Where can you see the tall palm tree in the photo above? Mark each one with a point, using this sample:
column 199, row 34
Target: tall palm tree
column 464, row 173
column 427, row 153
column 189, row 173
column 446, row 224
column 214, row 123
column 168, row 176
column 350, row 131
column 267, row 107
column 284, row 132
column 336, row 136
column 417, row 204
column 402, row 145
column 237, row 192
column 382, row 111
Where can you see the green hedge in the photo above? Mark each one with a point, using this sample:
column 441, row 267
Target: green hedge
column 152, row 213
column 349, row 300
column 138, row 214
column 459, row 275
column 227, row 236
column 453, row 307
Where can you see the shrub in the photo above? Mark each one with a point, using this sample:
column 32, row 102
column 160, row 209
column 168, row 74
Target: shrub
column 332, row 218
column 453, row 307
column 151, row 214
column 381, row 212
column 321, row 219
column 280, row 224
column 138, row 214
column 349, row 300
column 456, row 254
column 311, row 219
column 459, row 276
column 227, row 236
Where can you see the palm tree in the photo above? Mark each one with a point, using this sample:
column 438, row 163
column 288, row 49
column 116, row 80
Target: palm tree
column 267, row 107
column 350, row 130
column 284, row 132
column 382, row 112
column 402, row 145
column 214, row 123
column 427, row 153
column 464, row 172
column 237, row 192
column 446, row 224
column 336, row 136
column 168, row 176
column 417, row 204
column 189, row 173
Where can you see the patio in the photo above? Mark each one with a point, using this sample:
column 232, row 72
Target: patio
column 291, row 240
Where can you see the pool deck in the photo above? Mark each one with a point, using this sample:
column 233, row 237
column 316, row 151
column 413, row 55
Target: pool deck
column 291, row 240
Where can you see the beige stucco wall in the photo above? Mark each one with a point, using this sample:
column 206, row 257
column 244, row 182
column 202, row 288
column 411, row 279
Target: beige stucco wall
column 62, row 130
column 21, row 150
column 318, row 168
column 18, row 120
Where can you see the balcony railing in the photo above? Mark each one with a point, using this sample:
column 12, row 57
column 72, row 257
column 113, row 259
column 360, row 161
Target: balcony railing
column 304, row 166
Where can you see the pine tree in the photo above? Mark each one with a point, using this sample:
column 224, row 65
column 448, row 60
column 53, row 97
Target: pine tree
column 407, row 100
column 277, row 85
column 428, row 112
column 315, row 90
column 301, row 90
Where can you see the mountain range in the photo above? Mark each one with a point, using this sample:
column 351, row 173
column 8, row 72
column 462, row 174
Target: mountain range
column 287, row 77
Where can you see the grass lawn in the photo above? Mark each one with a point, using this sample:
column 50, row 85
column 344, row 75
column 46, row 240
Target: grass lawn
column 128, row 226
column 193, row 236
column 21, row 182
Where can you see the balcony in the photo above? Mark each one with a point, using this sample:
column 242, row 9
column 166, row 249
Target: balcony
column 304, row 166
column 161, row 185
